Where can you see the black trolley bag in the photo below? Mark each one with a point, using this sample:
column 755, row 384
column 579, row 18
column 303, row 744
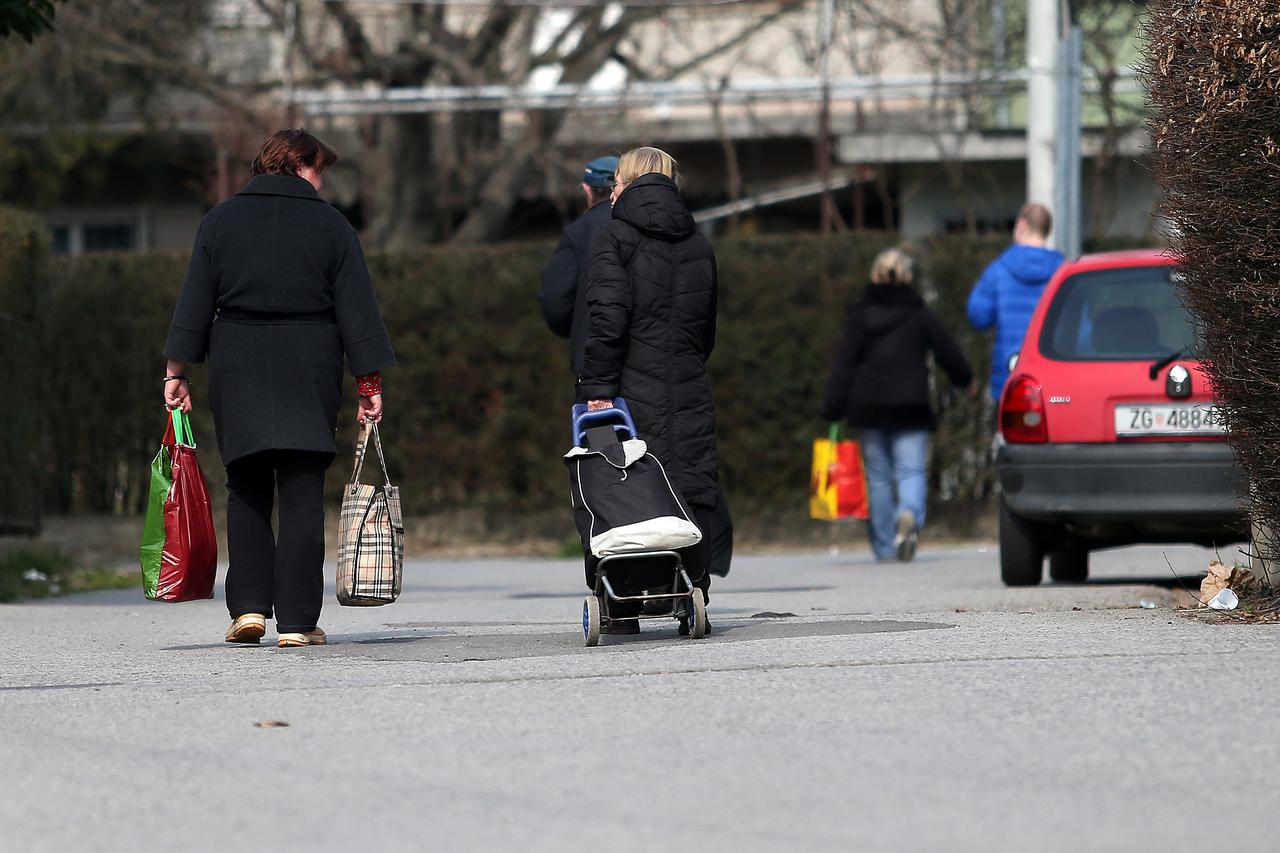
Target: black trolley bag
column 623, row 501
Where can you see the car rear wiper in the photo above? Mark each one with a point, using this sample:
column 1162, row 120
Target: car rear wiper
column 1163, row 363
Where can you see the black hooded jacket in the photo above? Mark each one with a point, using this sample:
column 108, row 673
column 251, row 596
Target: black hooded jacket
column 651, row 303
column 881, row 375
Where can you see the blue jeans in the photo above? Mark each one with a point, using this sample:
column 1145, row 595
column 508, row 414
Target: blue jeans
column 896, row 462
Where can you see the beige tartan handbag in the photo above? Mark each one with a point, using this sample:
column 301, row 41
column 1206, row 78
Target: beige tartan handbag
column 371, row 538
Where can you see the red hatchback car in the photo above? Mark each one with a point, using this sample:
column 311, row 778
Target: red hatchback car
column 1108, row 430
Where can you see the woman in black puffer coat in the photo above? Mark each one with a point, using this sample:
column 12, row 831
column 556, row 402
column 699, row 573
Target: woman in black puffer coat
column 880, row 386
column 651, row 302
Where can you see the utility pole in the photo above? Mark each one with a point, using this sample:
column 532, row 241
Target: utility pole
column 1066, row 204
column 999, row 60
column 826, row 22
column 1054, row 48
column 1042, row 99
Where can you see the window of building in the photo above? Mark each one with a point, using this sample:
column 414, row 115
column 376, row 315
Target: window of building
column 958, row 224
column 108, row 238
column 61, row 239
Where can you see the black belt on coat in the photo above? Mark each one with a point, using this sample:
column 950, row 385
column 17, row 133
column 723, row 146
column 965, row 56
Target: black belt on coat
column 267, row 318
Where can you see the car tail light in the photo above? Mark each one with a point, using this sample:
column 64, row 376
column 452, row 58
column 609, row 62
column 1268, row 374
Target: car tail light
column 1022, row 412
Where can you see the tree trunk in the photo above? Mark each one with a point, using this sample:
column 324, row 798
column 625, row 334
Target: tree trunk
column 487, row 217
column 399, row 195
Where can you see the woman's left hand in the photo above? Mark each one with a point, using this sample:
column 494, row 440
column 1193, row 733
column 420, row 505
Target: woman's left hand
column 598, row 405
column 370, row 409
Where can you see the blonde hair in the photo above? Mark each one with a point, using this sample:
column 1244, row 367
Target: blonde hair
column 643, row 161
column 892, row 266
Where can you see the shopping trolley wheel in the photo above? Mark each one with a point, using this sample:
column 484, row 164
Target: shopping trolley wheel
column 591, row 621
column 696, row 620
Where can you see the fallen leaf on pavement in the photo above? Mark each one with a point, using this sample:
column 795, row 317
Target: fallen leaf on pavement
column 271, row 724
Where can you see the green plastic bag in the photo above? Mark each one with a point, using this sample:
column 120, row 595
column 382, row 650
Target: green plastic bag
column 151, row 549
column 178, row 551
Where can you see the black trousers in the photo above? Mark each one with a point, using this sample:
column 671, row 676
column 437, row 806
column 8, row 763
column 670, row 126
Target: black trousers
column 283, row 573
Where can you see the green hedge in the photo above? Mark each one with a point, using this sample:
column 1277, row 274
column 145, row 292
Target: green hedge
column 23, row 375
column 491, row 386
column 477, row 408
column 104, row 326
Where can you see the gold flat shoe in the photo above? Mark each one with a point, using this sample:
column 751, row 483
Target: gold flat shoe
column 248, row 628
column 314, row 637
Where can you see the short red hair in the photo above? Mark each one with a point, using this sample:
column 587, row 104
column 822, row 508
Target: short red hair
column 287, row 151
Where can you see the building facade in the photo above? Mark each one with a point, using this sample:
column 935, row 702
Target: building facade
column 916, row 119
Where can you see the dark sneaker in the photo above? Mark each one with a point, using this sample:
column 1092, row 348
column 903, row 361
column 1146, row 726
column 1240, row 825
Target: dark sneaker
column 908, row 538
column 621, row 626
column 684, row 628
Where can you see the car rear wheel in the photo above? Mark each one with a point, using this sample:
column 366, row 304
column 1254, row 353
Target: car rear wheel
column 1021, row 554
column 1069, row 564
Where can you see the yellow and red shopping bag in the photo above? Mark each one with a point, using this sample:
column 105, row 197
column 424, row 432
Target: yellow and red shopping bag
column 838, row 487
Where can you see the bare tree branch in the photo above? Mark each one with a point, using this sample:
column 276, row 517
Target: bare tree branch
column 784, row 8
column 555, row 52
column 358, row 50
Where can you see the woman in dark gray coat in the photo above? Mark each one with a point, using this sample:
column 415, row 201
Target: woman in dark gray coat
column 276, row 293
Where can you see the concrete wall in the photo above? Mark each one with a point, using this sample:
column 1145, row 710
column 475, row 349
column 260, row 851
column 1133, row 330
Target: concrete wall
column 1121, row 205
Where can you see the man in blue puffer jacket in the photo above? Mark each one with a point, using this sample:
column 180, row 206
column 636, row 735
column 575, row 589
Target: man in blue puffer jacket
column 1007, row 292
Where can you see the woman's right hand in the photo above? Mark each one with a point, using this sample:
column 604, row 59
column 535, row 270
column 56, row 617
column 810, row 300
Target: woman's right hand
column 370, row 409
column 598, row 405
column 177, row 395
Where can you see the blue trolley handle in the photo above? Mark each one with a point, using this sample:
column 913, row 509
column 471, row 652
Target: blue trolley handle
column 582, row 418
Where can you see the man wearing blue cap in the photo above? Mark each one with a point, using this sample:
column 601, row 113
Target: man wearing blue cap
column 564, row 281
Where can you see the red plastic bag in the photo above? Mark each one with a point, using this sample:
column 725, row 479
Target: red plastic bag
column 838, row 487
column 849, row 479
column 179, row 521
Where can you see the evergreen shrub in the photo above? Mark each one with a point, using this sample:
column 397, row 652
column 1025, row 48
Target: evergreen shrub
column 23, row 251
column 1213, row 73
column 477, row 409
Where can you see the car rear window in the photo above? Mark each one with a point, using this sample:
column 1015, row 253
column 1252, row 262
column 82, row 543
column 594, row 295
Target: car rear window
column 1117, row 315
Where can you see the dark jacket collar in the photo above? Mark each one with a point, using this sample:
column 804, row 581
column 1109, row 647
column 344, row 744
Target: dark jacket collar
column 884, row 307
column 288, row 185
column 892, row 293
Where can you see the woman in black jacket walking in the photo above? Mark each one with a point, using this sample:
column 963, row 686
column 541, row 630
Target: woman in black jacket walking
column 880, row 386
column 276, row 293
column 651, row 303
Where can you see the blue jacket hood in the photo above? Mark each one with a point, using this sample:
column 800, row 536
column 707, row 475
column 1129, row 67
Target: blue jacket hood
column 1030, row 265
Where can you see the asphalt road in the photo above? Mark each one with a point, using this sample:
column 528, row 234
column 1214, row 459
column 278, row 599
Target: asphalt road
column 881, row 707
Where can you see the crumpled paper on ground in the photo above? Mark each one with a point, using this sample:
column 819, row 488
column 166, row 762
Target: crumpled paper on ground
column 1221, row 577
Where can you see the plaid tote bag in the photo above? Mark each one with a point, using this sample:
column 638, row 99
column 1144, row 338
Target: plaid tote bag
column 371, row 538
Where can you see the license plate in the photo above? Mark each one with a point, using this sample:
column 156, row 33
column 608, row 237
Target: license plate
column 1168, row 419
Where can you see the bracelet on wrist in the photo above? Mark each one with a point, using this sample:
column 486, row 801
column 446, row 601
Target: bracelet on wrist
column 176, row 376
column 369, row 384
